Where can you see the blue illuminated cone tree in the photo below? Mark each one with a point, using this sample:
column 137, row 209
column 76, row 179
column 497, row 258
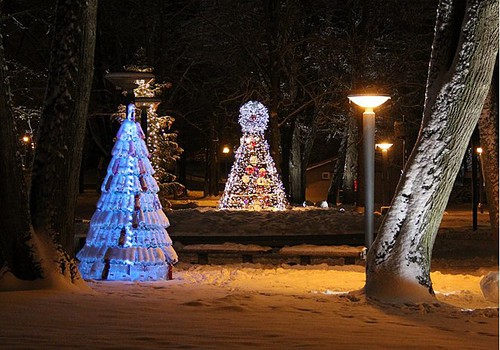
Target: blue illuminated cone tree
column 127, row 239
column 254, row 182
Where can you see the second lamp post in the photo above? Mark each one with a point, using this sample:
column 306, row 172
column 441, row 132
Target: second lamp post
column 369, row 102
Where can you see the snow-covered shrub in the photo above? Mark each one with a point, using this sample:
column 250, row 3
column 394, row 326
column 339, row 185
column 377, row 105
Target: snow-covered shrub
column 322, row 204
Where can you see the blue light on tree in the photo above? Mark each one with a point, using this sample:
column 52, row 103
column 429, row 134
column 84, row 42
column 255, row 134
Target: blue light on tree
column 127, row 239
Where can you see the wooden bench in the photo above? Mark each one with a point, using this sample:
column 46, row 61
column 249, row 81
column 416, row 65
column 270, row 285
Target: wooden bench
column 247, row 251
column 351, row 255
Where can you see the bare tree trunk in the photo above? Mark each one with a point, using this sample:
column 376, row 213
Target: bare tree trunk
column 272, row 8
column 58, row 155
column 488, row 130
column 312, row 127
column 345, row 171
column 16, row 252
column 301, row 146
column 297, row 193
column 75, row 134
column 338, row 173
column 462, row 60
column 351, row 163
column 212, row 181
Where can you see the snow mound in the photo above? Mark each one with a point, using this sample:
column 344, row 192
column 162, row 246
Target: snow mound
column 489, row 286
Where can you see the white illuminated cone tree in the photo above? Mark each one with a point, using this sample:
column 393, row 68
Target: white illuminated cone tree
column 127, row 239
column 254, row 182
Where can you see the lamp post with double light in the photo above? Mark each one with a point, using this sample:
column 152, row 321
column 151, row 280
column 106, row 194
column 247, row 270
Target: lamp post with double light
column 225, row 153
column 368, row 102
column 384, row 147
column 479, row 151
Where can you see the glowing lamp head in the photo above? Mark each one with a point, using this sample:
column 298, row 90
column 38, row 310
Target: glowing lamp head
column 26, row 139
column 479, row 150
column 225, row 150
column 384, row 146
column 368, row 101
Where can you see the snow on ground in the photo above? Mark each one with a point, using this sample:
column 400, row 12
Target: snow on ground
column 248, row 306
column 265, row 306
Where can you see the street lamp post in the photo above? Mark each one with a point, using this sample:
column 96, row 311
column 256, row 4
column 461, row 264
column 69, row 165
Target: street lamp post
column 225, row 152
column 384, row 147
column 26, row 139
column 479, row 151
column 130, row 81
column 144, row 104
column 369, row 102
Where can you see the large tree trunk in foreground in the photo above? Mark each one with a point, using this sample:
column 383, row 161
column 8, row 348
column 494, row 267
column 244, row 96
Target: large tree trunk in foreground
column 15, row 226
column 32, row 247
column 488, row 130
column 463, row 56
column 56, row 168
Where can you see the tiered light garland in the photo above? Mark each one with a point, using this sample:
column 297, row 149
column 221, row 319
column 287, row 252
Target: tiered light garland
column 127, row 239
column 253, row 183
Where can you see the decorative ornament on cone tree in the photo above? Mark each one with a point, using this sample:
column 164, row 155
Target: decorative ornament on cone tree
column 253, row 183
column 127, row 239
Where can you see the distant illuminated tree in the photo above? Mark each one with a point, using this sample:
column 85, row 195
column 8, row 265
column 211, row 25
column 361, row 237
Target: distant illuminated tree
column 161, row 141
column 254, row 182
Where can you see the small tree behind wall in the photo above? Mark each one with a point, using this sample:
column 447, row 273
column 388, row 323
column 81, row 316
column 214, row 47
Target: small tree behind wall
column 254, row 182
column 166, row 154
column 161, row 141
column 127, row 239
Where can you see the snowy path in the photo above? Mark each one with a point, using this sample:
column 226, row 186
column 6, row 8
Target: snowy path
column 243, row 307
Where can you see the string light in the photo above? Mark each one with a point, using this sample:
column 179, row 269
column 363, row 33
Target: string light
column 253, row 182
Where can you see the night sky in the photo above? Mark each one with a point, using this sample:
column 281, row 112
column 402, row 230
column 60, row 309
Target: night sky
column 305, row 56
